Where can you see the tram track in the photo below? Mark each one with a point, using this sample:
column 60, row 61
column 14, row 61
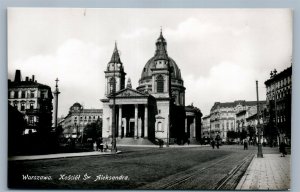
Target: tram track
column 181, row 180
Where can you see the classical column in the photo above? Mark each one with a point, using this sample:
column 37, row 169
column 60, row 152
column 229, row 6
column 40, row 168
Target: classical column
column 120, row 120
column 139, row 127
column 194, row 126
column 135, row 120
column 146, row 121
column 185, row 125
column 125, row 127
column 111, row 120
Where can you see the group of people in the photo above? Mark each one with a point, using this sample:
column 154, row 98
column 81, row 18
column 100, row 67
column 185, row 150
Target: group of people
column 215, row 143
column 99, row 146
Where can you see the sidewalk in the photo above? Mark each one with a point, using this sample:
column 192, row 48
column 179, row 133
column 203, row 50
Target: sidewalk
column 58, row 155
column 271, row 172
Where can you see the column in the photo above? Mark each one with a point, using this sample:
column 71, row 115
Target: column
column 146, row 121
column 120, row 120
column 135, row 120
column 194, row 127
column 125, row 127
column 111, row 120
column 139, row 127
column 185, row 130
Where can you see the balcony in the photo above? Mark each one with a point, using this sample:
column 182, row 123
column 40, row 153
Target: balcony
column 32, row 111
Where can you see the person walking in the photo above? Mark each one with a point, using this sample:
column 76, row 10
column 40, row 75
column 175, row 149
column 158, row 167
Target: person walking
column 213, row 144
column 245, row 144
column 282, row 149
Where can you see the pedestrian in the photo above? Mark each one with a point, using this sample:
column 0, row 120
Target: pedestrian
column 282, row 149
column 95, row 146
column 188, row 141
column 245, row 145
column 213, row 144
column 217, row 144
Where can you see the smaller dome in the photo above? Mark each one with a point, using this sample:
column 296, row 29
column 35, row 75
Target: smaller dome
column 76, row 107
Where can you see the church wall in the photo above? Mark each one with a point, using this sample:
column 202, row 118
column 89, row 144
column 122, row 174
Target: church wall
column 162, row 119
column 106, row 124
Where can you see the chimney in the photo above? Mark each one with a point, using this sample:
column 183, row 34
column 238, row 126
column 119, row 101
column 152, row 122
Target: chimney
column 32, row 78
column 18, row 76
column 26, row 79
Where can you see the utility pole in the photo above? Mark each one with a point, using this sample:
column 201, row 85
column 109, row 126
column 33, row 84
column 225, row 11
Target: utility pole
column 259, row 150
column 56, row 93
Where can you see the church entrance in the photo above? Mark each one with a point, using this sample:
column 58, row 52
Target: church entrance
column 131, row 129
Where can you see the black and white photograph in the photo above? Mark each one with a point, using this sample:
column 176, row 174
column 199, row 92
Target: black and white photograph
column 149, row 98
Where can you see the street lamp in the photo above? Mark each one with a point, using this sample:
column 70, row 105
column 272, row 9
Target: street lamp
column 259, row 150
column 113, row 91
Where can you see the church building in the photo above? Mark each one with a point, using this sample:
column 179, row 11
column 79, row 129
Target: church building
column 155, row 109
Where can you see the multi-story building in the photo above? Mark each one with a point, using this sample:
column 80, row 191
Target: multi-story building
column 205, row 129
column 78, row 117
column 279, row 97
column 32, row 99
column 223, row 116
column 241, row 117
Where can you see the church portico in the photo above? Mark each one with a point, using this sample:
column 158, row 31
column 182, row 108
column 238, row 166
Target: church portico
column 131, row 114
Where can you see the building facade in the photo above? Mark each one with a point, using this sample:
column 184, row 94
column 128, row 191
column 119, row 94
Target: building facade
column 279, row 102
column 156, row 108
column 230, row 116
column 74, row 123
column 32, row 99
column 206, row 127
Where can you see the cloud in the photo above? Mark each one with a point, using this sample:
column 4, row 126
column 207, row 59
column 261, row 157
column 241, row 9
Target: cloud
column 79, row 67
column 225, row 82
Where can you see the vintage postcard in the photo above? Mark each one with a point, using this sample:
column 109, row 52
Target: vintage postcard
column 157, row 99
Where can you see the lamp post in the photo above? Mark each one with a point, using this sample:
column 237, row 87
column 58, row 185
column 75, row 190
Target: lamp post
column 114, row 142
column 259, row 150
column 56, row 93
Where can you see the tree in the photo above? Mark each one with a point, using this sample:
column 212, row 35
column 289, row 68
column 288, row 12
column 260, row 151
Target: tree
column 251, row 131
column 243, row 135
column 232, row 134
column 93, row 130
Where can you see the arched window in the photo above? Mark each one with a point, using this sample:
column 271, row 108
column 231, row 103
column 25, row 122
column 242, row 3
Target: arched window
column 160, row 84
column 112, row 87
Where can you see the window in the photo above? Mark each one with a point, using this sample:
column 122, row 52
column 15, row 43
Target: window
column 31, row 120
column 112, row 87
column 160, row 84
column 16, row 94
column 22, row 106
column 44, row 94
column 31, row 105
column 16, row 104
column 31, row 94
column 23, row 94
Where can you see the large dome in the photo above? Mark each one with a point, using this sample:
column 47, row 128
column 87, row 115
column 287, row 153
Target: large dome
column 147, row 72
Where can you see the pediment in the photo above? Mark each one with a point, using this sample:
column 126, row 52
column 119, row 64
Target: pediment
column 130, row 93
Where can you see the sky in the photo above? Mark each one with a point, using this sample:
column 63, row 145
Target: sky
column 220, row 52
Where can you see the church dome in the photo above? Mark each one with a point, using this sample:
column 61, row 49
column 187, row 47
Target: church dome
column 147, row 72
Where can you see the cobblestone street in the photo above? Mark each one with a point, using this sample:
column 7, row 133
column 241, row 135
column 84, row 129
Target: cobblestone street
column 168, row 168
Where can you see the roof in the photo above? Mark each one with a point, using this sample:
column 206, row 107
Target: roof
column 241, row 113
column 279, row 76
column 128, row 92
column 160, row 53
column 235, row 103
column 115, row 58
column 27, row 84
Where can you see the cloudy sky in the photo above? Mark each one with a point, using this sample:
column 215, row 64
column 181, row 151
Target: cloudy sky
column 221, row 52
